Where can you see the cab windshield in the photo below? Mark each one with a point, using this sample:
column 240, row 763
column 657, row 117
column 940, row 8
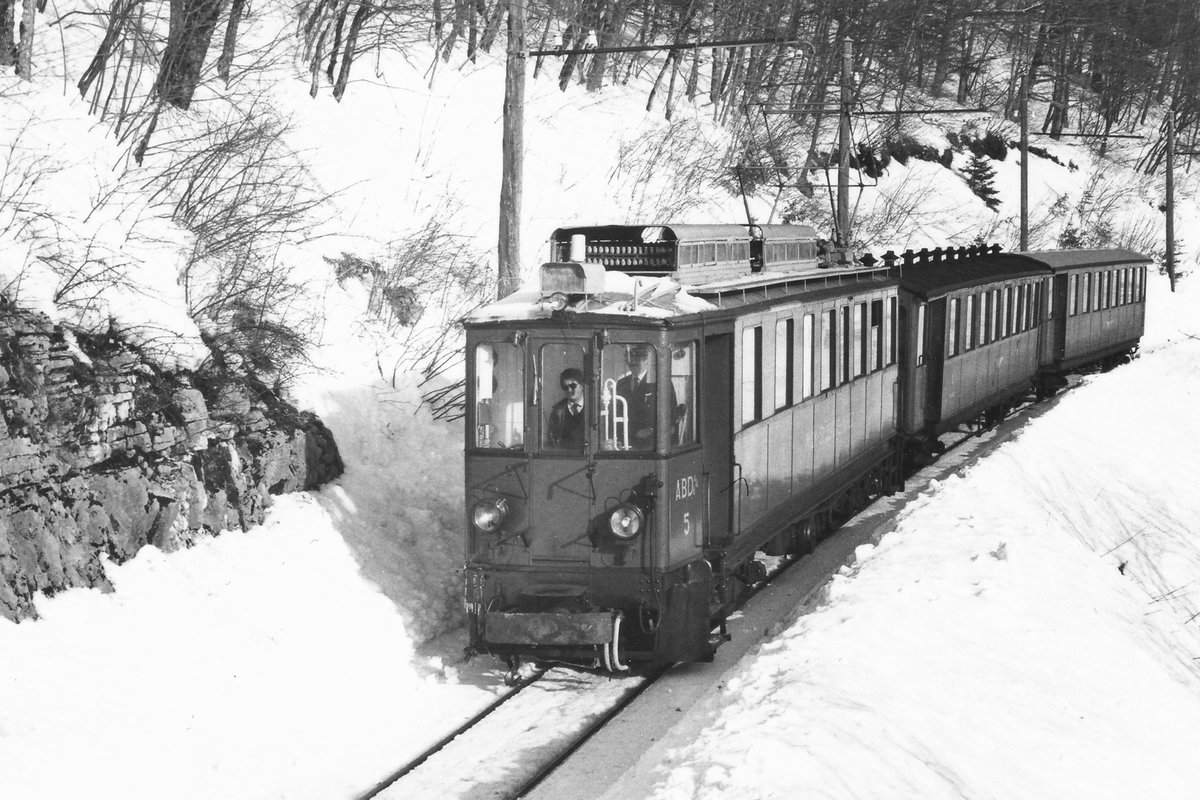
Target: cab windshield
column 630, row 397
column 566, row 407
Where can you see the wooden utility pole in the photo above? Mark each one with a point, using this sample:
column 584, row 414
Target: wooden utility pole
column 1023, row 105
column 513, row 147
column 842, row 238
column 1171, row 194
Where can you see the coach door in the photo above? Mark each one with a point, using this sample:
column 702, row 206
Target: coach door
column 935, row 358
column 717, row 434
column 1058, row 325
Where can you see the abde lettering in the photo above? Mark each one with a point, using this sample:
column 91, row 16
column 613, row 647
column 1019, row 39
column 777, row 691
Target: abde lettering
column 686, row 487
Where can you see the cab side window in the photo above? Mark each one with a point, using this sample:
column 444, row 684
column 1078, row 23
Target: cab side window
column 683, row 386
column 499, row 395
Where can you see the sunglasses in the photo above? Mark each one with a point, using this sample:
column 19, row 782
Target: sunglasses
column 570, row 385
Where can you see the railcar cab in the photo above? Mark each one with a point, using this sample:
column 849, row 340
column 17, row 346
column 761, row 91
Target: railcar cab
column 584, row 500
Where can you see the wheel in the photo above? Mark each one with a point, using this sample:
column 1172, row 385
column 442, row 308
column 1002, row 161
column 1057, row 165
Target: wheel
column 805, row 536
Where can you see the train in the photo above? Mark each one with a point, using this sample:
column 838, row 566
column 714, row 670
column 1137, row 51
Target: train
column 671, row 400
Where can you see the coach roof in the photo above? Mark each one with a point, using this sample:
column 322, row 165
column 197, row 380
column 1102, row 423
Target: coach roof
column 1082, row 259
column 942, row 277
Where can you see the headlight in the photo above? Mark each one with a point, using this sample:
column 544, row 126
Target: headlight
column 488, row 516
column 626, row 522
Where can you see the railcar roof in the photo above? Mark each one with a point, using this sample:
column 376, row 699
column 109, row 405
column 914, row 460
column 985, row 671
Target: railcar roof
column 1080, row 259
column 656, row 298
column 671, row 232
column 787, row 231
column 942, row 277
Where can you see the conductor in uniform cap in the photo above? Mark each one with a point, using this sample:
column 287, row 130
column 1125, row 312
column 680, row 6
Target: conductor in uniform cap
column 641, row 396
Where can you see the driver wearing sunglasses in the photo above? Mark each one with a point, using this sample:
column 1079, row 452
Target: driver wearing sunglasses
column 567, row 430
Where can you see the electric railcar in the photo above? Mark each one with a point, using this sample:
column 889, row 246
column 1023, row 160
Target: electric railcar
column 629, row 450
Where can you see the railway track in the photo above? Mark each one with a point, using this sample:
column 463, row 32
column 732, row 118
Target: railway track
column 509, row 747
column 442, row 743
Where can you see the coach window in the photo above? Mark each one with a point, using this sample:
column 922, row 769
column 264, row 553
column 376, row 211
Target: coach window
column 889, row 329
column 845, row 342
column 1072, row 284
column 985, row 318
column 952, row 328
column 828, row 349
column 807, row 346
column 877, row 329
column 972, row 323
column 860, row 340
column 499, row 395
column 920, row 333
column 785, row 355
column 683, row 387
column 1097, row 284
column 751, row 374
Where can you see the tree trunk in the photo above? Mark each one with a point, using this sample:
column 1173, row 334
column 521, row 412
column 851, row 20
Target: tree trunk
column 360, row 16
column 965, row 65
column 512, row 172
column 8, row 45
column 941, row 62
column 25, row 48
column 192, row 25
column 231, row 31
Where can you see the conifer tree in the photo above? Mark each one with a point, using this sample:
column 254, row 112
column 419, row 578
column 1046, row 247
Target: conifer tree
column 979, row 174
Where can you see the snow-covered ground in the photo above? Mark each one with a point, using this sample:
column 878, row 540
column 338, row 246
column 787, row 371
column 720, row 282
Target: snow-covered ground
column 990, row 646
column 1028, row 629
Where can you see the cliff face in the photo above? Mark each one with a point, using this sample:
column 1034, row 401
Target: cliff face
column 101, row 454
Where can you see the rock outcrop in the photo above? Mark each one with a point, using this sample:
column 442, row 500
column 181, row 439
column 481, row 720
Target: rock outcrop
column 102, row 454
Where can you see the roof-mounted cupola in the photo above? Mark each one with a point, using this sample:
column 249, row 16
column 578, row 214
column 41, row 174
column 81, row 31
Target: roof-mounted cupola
column 566, row 281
